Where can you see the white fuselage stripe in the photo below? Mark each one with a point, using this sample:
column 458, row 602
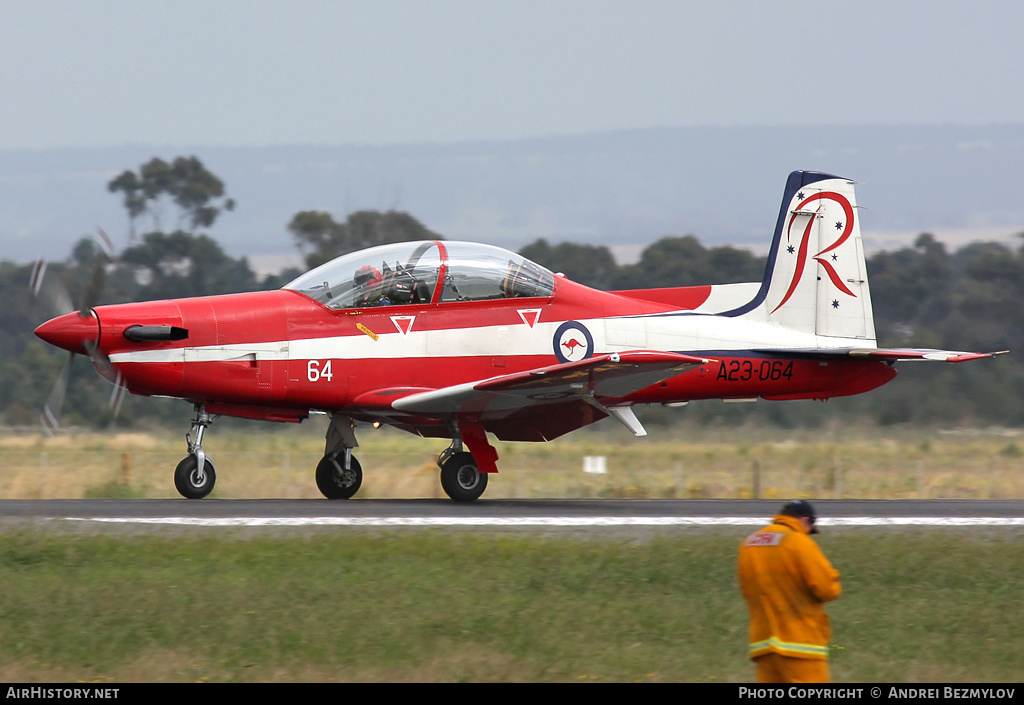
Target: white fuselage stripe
column 669, row 333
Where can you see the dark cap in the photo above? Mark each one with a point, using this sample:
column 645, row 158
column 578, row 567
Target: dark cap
column 799, row 509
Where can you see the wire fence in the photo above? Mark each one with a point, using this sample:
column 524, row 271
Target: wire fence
column 51, row 473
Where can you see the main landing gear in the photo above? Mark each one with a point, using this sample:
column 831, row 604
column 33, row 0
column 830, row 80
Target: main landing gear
column 195, row 476
column 339, row 475
column 461, row 478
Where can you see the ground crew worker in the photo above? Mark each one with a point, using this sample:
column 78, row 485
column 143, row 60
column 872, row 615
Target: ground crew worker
column 786, row 581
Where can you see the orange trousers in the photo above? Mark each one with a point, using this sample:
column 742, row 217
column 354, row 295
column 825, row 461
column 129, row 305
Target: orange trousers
column 775, row 668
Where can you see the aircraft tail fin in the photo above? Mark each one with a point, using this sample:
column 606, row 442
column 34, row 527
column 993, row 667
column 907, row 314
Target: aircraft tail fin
column 816, row 277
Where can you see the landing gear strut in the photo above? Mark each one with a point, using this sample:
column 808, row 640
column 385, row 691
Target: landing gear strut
column 194, row 477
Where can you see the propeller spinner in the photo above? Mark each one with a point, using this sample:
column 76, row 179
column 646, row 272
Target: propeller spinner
column 78, row 332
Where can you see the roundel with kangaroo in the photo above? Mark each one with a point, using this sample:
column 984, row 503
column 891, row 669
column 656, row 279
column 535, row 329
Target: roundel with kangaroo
column 573, row 342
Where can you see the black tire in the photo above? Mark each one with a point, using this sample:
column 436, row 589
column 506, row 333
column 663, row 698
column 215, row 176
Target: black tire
column 186, row 479
column 333, row 481
column 462, row 479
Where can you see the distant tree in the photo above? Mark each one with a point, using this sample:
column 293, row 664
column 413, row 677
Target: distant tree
column 911, row 289
column 21, row 312
column 181, row 264
column 683, row 261
column 987, row 308
column 197, row 192
column 592, row 265
column 134, row 199
column 276, row 281
column 321, row 238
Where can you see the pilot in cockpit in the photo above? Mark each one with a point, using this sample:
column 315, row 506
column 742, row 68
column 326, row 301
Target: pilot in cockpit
column 369, row 284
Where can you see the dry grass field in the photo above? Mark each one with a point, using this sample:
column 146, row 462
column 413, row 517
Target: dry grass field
column 278, row 462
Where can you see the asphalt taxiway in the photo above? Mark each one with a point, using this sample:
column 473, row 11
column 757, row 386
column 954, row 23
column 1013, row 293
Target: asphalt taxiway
column 521, row 514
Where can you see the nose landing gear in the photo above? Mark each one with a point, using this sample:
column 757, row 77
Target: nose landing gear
column 195, row 476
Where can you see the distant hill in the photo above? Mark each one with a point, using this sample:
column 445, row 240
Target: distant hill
column 617, row 188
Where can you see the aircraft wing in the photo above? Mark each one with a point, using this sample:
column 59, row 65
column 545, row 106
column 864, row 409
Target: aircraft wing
column 549, row 401
column 889, row 354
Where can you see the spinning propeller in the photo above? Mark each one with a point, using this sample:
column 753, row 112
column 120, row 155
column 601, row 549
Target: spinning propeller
column 77, row 331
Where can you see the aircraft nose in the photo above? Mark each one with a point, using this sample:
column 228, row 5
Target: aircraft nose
column 70, row 331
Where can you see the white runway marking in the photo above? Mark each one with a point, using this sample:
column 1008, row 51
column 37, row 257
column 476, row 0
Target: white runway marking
column 545, row 521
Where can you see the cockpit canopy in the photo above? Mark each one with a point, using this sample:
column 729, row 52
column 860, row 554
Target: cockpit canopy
column 409, row 272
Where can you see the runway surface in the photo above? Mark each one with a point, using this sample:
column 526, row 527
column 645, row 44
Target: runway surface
column 523, row 514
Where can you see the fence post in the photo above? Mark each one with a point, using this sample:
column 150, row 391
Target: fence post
column 44, row 464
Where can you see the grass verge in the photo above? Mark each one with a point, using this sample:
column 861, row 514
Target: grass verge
column 454, row 606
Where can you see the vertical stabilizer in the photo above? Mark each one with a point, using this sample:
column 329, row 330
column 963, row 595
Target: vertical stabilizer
column 816, row 279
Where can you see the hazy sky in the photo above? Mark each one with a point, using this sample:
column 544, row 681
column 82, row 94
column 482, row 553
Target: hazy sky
column 252, row 72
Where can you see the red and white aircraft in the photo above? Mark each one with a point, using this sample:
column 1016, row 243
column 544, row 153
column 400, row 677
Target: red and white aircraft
column 457, row 340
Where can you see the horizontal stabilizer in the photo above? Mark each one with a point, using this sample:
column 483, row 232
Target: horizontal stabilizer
column 895, row 354
column 888, row 354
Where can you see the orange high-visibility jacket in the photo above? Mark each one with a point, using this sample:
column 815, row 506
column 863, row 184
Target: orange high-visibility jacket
column 786, row 581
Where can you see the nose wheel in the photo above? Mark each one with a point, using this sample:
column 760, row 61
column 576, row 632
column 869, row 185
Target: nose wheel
column 193, row 482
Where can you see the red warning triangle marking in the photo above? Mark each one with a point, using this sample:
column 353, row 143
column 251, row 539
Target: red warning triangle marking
column 530, row 316
column 403, row 323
